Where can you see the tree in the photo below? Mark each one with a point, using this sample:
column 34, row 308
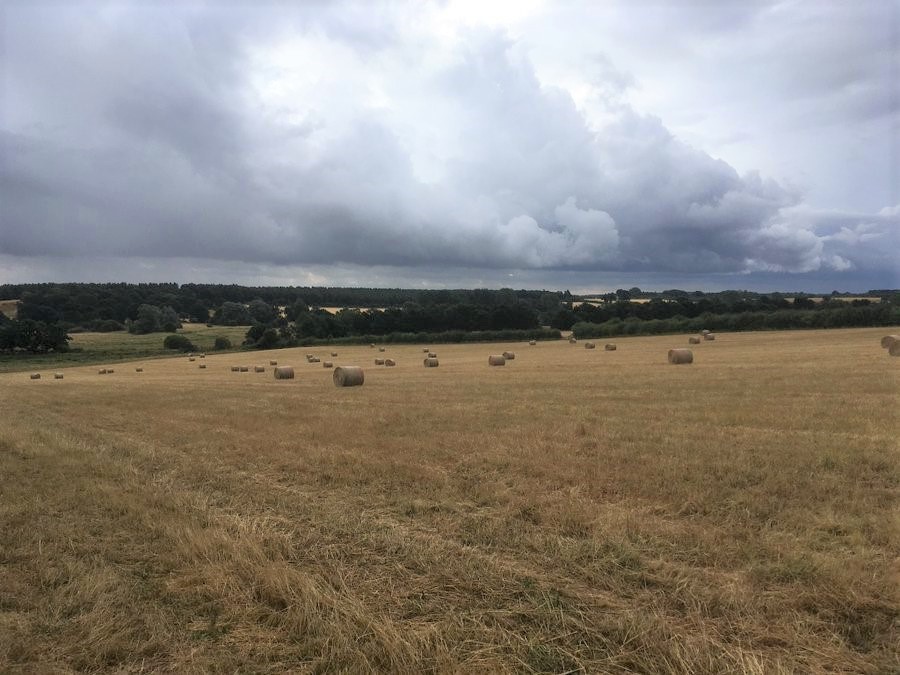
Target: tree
column 180, row 342
column 148, row 320
column 232, row 314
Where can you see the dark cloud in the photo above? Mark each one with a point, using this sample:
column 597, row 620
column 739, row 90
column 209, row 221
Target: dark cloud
column 314, row 137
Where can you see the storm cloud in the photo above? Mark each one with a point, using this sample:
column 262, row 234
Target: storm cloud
column 350, row 138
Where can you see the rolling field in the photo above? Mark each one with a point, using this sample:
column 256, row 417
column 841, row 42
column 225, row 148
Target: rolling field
column 575, row 509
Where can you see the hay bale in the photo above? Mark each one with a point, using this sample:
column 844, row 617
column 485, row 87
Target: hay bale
column 202, row 366
column 572, row 340
column 235, row 369
column 202, row 356
column 681, row 356
column 273, row 363
column 425, row 350
column 390, row 362
column 709, row 336
column 496, row 360
column 284, row 373
column 259, row 369
column 139, row 370
column 381, row 349
column 704, row 332
column 372, row 345
column 333, row 354
column 348, row 376
column 379, row 362
column 327, row 364
column 191, row 358
column 693, row 341
column 590, row 345
column 532, row 342
column 309, row 356
column 245, row 369
column 610, row 347
column 57, row 376
column 430, row 362
column 35, row 376
column 315, row 359
column 895, row 349
column 889, row 341
column 509, row 356
column 102, row 371
column 432, row 355
column 110, row 371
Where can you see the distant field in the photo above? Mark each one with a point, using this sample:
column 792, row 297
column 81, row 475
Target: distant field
column 98, row 348
column 574, row 509
column 9, row 308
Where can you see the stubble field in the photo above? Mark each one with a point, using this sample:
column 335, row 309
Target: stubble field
column 575, row 509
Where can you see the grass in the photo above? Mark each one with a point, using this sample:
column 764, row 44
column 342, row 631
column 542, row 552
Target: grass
column 574, row 510
column 119, row 346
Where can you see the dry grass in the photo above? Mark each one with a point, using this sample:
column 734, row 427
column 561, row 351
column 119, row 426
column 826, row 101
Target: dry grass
column 10, row 308
column 737, row 515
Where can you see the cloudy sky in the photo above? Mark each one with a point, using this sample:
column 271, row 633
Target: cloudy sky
column 583, row 145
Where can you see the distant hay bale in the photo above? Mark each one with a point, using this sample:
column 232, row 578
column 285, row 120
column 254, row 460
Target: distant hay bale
column 139, row 370
column 590, row 345
column 894, row 349
column 390, row 362
column 109, row 371
column 496, row 360
column 327, row 364
column 889, row 341
column 284, row 373
column 681, row 356
column 235, row 369
column 425, row 350
column 102, row 371
column 572, row 340
column 273, row 363
column 430, row 362
column 259, row 369
column 245, row 369
column 704, row 332
column 432, row 355
column 35, row 376
column 315, row 359
column 379, row 362
column 309, row 356
column 372, row 345
column 532, row 342
column 381, row 349
column 693, row 341
column 610, row 347
column 348, row 376
column 57, row 376
column 202, row 356
column 333, row 354
column 709, row 336
column 509, row 356
column 202, row 366
column 191, row 358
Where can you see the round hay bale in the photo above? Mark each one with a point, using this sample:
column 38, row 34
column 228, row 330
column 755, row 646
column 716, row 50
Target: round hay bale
column 681, row 356
column 202, row 366
column 110, row 371
column 430, row 362
column 245, row 369
column 532, row 342
column 381, row 349
column 895, row 349
column 610, row 347
column 139, row 370
column 315, row 359
column 284, row 373
column 191, row 359
column 709, row 336
column 372, row 345
column 693, row 341
column 390, row 362
column 57, row 376
column 235, row 369
column 333, row 354
column 102, row 371
column 704, row 332
column 889, row 340
column 202, row 356
column 327, row 364
column 259, row 369
column 309, row 356
column 432, row 355
column 425, row 350
column 348, row 376
column 273, row 363
column 496, row 360
column 590, row 345
column 379, row 362
column 35, row 376
column 509, row 356
column 572, row 340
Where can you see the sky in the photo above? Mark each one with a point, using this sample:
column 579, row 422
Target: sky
column 693, row 144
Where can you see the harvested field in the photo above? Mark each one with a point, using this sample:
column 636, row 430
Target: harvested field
column 614, row 515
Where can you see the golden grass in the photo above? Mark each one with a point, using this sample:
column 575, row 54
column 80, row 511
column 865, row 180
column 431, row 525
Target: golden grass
column 577, row 509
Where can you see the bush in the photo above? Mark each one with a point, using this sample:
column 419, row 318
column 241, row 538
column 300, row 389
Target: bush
column 179, row 342
column 222, row 343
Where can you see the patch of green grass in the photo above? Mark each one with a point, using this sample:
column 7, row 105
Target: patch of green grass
column 88, row 348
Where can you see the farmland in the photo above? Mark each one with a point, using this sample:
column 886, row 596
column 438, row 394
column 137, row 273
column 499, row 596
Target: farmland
column 574, row 509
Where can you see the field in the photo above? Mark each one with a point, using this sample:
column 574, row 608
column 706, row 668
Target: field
column 575, row 509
